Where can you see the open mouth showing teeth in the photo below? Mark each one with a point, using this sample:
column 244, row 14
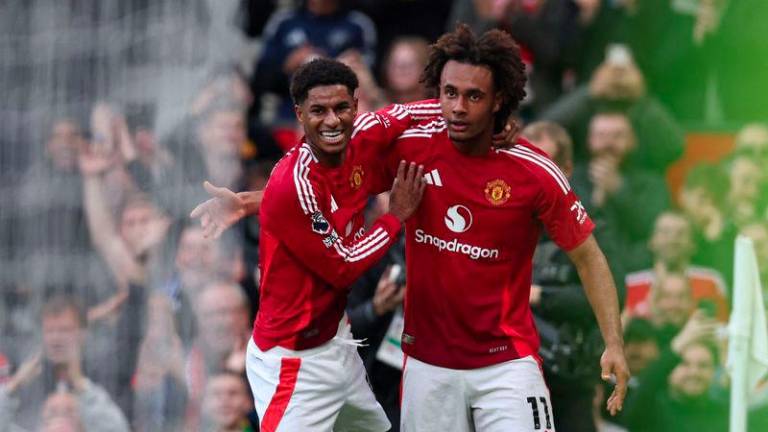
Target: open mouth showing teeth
column 332, row 136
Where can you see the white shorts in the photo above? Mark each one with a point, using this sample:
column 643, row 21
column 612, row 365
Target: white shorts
column 319, row 389
column 509, row 396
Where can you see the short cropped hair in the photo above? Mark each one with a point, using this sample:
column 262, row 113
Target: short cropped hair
column 58, row 304
column 321, row 72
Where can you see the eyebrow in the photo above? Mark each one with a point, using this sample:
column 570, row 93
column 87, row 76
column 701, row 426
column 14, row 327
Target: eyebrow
column 470, row 90
column 342, row 104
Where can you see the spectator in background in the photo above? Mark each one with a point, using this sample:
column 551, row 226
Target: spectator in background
column 618, row 85
column 198, row 263
column 64, row 412
column 640, row 346
column 54, row 219
column 744, row 201
column 227, row 404
column 427, row 19
column 370, row 97
column 570, row 339
column 221, row 134
column 672, row 247
column 375, row 312
column 59, row 366
column 622, row 199
column 671, row 301
column 752, row 139
column 642, row 349
column 604, row 23
column 215, row 138
column 675, row 388
column 60, row 413
column 229, row 82
column 223, row 331
column 48, row 240
column 547, row 30
column 159, row 382
column 318, row 28
column 702, row 199
column 130, row 244
column 405, row 60
column 757, row 231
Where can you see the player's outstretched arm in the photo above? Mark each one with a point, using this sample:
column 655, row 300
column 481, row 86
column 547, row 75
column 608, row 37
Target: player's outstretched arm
column 598, row 285
column 224, row 209
column 296, row 217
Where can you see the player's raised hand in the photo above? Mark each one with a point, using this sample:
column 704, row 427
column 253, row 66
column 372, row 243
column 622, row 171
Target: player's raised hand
column 407, row 190
column 507, row 138
column 614, row 366
column 220, row 212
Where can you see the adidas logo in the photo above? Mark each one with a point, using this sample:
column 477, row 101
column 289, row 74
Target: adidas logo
column 433, row 178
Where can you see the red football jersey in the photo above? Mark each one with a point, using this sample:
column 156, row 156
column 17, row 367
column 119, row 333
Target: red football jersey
column 470, row 245
column 312, row 241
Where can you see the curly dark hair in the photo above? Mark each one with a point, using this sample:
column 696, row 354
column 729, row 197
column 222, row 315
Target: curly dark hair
column 321, row 72
column 494, row 49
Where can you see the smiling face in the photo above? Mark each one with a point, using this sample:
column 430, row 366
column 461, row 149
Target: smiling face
column 611, row 134
column 693, row 376
column 468, row 102
column 62, row 336
column 327, row 115
column 404, row 66
column 672, row 303
column 226, row 401
column 64, row 144
column 672, row 240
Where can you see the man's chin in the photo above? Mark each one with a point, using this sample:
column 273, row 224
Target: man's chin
column 458, row 136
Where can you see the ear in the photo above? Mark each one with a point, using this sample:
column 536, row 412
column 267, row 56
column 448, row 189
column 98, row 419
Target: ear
column 355, row 99
column 299, row 111
column 498, row 99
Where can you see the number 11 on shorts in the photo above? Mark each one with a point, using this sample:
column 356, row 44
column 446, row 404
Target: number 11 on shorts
column 535, row 412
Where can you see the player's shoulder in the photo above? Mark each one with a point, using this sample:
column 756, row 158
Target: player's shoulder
column 292, row 182
column 424, row 109
column 365, row 122
column 425, row 129
column 534, row 162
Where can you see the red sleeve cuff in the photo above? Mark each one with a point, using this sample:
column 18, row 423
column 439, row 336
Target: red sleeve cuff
column 391, row 224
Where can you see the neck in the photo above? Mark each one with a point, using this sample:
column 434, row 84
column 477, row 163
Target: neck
column 679, row 265
column 478, row 146
column 330, row 160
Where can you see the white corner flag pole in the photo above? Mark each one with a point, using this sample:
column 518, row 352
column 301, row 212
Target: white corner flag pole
column 748, row 340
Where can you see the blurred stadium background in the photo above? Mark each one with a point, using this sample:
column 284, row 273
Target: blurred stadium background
column 115, row 313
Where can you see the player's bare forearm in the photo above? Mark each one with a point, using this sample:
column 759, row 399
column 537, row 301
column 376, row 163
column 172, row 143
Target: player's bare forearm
column 600, row 289
column 252, row 201
column 598, row 285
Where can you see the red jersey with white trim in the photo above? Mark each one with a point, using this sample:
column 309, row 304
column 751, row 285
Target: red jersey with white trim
column 470, row 245
column 312, row 241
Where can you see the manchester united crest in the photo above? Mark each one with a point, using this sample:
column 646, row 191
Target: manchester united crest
column 356, row 178
column 497, row 192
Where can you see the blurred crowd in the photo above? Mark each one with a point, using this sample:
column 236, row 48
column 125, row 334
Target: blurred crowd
column 117, row 314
